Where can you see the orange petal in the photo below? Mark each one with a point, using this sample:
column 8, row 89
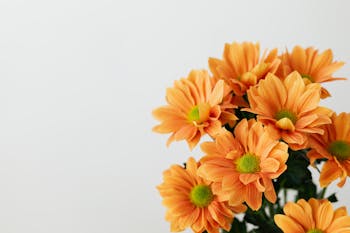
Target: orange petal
column 287, row 224
column 310, row 99
column 295, row 86
column 297, row 212
column 203, row 110
column 248, row 178
column 177, row 98
column 186, row 132
column 253, row 197
column 269, row 165
column 249, row 78
column 324, row 216
column 194, row 140
column 324, row 93
column 298, row 57
column 330, row 172
column 340, row 224
column 217, row 93
column 236, row 197
column 294, row 138
column 269, row 193
column 285, row 124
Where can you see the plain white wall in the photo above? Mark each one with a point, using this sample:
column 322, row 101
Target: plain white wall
column 78, row 82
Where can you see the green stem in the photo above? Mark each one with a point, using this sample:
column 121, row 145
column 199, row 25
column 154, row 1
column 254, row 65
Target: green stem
column 323, row 192
column 284, row 196
column 262, row 213
column 318, row 169
column 271, row 210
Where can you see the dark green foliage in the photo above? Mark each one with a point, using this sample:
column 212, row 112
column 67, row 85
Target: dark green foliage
column 332, row 198
column 307, row 190
column 237, row 226
column 262, row 221
column 297, row 173
column 244, row 115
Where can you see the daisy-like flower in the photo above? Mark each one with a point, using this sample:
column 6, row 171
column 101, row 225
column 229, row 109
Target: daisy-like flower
column 242, row 66
column 333, row 145
column 242, row 167
column 290, row 107
column 191, row 202
column 314, row 216
column 313, row 67
column 196, row 106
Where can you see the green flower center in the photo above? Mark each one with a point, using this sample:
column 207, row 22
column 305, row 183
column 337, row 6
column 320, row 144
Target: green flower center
column 201, row 195
column 307, row 77
column 193, row 115
column 314, row 231
column 248, row 163
column 340, row 149
column 286, row 114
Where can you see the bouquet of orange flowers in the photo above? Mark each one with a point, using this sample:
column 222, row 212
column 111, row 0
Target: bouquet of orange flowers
column 267, row 128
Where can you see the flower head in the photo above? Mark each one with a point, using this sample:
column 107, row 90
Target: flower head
column 242, row 167
column 191, row 202
column 314, row 216
column 334, row 146
column 290, row 107
column 313, row 67
column 196, row 106
column 242, row 66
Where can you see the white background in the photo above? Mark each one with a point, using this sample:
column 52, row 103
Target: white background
column 78, row 82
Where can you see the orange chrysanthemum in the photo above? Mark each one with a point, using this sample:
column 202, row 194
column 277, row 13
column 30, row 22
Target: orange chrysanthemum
column 333, row 145
column 290, row 107
column 314, row 216
column 196, row 106
column 242, row 167
column 191, row 203
column 313, row 67
column 242, row 66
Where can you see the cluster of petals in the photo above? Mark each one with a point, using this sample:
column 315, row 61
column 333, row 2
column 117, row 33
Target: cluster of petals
column 313, row 67
column 197, row 105
column 183, row 211
column 313, row 216
column 282, row 93
column 334, row 146
column 243, row 166
column 290, row 107
column 242, row 67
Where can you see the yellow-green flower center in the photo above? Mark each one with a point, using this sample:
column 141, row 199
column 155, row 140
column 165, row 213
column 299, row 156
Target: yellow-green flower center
column 314, row 231
column 307, row 77
column 201, row 195
column 193, row 115
column 340, row 149
column 248, row 163
column 286, row 114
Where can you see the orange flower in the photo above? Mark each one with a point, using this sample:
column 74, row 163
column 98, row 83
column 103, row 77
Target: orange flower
column 333, row 145
column 191, row 202
column 242, row 66
column 314, row 216
column 196, row 107
column 312, row 66
column 290, row 107
column 242, row 167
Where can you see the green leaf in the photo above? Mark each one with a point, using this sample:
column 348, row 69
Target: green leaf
column 307, row 190
column 237, row 227
column 297, row 173
column 332, row 198
column 261, row 220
